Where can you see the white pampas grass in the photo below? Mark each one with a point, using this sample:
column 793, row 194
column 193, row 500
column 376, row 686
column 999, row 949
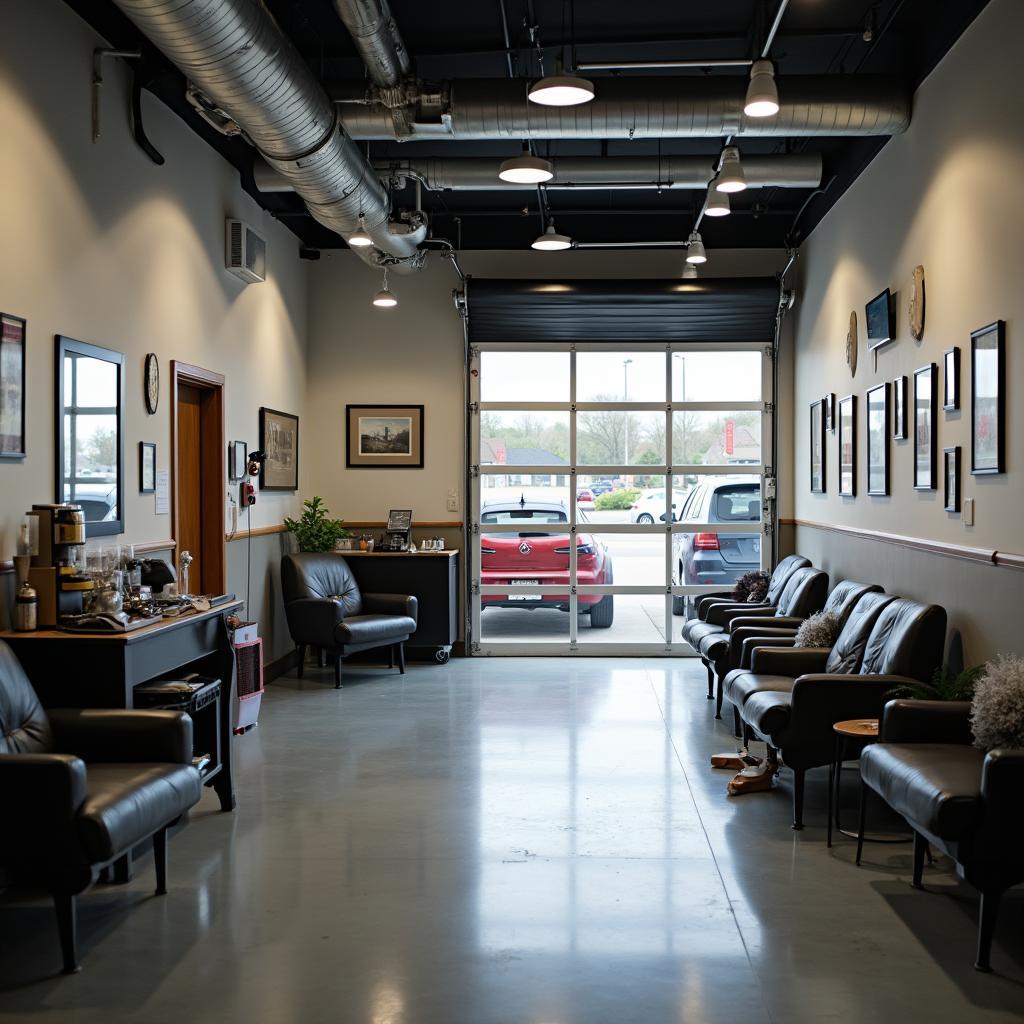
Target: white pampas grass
column 997, row 711
column 820, row 630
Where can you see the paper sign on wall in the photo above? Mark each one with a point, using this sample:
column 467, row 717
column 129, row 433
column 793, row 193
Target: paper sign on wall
column 163, row 492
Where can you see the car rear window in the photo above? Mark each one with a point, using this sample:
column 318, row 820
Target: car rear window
column 741, row 504
column 524, row 516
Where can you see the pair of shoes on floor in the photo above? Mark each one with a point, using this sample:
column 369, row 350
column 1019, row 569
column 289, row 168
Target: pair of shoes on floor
column 756, row 779
column 735, row 762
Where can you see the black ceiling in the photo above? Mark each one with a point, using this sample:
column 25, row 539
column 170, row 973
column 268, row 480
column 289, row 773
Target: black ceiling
column 464, row 38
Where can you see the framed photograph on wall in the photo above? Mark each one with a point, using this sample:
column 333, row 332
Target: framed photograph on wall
column 384, row 436
column 926, row 400
column 830, row 411
column 878, row 439
column 279, row 441
column 951, row 379
column 238, row 460
column 12, row 387
column 847, row 416
column 818, row 447
column 147, row 467
column 988, row 399
column 951, row 479
column 899, row 409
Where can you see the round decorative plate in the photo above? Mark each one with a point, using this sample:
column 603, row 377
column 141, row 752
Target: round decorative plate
column 152, row 383
column 851, row 345
column 916, row 308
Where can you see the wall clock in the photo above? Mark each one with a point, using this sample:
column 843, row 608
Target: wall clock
column 151, row 383
column 916, row 308
column 851, row 345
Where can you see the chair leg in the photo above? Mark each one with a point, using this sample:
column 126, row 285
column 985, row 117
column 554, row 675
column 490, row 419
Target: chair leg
column 987, row 912
column 711, row 683
column 920, row 846
column 67, row 926
column 321, row 658
column 301, row 648
column 160, row 860
column 391, row 656
column 798, row 799
column 337, row 671
column 401, row 658
column 737, row 725
column 861, row 819
column 719, row 696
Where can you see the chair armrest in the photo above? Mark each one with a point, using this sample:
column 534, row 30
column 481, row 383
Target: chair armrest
column 788, row 661
column 1002, row 776
column 755, row 621
column 927, row 721
column 390, row 604
column 821, row 700
column 313, row 620
column 40, row 787
column 723, row 614
column 791, row 622
column 704, row 602
column 749, row 643
column 741, row 635
column 123, row 736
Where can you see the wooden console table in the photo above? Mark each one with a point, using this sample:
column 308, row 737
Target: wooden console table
column 101, row 670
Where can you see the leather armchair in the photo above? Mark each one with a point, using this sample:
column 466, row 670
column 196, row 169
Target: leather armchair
column 326, row 610
column 962, row 800
column 79, row 789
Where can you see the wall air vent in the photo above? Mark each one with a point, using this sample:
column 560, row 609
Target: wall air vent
column 245, row 252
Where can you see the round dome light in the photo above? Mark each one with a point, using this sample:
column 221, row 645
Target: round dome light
column 695, row 249
column 526, row 169
column 359, row 238
column 551, row 240
column 561, row 90
column 717, row 204
column 762, row 95
column 385, row 299
column 731, row 177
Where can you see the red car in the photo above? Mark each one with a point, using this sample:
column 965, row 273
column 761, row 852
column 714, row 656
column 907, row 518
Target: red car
column 533, row 557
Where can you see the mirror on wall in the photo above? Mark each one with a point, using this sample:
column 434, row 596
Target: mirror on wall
column 90, row 433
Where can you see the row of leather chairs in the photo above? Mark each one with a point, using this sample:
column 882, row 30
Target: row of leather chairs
column 955, row 797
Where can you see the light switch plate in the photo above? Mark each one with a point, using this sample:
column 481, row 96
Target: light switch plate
column 968, row 511
column 453, row 501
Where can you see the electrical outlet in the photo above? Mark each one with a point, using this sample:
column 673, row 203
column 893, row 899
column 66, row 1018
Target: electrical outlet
column 968, row 512
column 453, row 500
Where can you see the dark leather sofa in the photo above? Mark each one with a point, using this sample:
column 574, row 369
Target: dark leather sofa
column 79, row 789
column 792, row 697
column 326, row 611
column 960, row 799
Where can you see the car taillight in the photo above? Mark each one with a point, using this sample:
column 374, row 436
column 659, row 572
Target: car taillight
column 633, row 508
column 581, row 549
column 706, row 542
column 488, row 551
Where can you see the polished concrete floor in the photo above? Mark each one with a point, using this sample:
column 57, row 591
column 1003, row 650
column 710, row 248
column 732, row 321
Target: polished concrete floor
column 504, row 841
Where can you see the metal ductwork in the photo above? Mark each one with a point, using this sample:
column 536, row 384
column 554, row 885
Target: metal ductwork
column 233, row 51
column 373, row 30
column 635, row 108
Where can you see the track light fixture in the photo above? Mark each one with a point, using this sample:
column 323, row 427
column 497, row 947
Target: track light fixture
column 731, row 177
column 526, row 169
column 695, row 249
column 551, row 240
column 689, row 271
column 385, row 299
column 762, row 95
column 717, row 204
column 561, row 89
column 360, row 239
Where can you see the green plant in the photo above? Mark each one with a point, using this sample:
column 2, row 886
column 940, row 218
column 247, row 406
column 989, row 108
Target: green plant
column 313, row 529
column 616, row 500
column 946, row 684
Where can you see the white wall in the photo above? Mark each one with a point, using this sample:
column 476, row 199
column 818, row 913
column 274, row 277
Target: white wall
column 946, row 195
column 100, row 244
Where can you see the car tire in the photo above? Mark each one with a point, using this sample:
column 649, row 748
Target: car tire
column 602, row 614
column 645, row 519
column 681, row 605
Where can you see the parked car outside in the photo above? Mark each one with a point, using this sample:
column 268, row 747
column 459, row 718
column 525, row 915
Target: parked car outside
column 649, row 508
column 600, row 487
column 719, row 557
column 533, row 556
column 585, row 499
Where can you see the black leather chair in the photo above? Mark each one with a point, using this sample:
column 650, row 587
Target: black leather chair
column 962, row 800
column 79, row 789
column 326, row 611
column 793, row 697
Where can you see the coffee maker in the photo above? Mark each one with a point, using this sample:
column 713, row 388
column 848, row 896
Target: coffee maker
column 56, row 567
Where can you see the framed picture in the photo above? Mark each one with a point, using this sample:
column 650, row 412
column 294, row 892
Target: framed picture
column 988, row 399
column 147, row 467
column 899, row 409
column 830, row 412
column 878, row 439
column 12, row 387
column 926, row 399
column 384, row 436
column 279, row 441
column 951, row 479
column 238, row 460
column 818, row 447
column 847, row 416
column 951, row 379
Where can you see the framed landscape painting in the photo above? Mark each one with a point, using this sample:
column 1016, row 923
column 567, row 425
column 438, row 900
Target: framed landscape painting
column 988, row 399
column 926, row 399
column 818, row 447
column 847, row 417
column 878, row 439
column 384, row 436
column 279, row 441
column 12, row 387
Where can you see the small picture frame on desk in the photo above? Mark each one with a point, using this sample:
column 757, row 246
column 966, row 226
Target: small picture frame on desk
column 147, row 467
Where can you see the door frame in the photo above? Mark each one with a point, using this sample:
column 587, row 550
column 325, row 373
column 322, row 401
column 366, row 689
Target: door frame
column 212, row 526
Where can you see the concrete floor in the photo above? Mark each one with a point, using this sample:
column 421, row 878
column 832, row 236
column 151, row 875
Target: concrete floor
column 501, row 841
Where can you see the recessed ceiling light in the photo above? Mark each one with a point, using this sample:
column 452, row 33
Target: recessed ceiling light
column 717, row 204
column 695, row 249
column 731, row 177
column 551, row 240
column 561, row 90
column 359, row 238
column 526, row 169
column 762, row 95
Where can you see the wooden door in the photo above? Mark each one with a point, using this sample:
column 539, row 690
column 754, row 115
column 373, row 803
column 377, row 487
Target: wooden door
column 189, row 480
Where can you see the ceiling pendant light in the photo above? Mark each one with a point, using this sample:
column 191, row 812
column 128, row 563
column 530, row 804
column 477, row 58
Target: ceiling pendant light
column 551, row 240
column 689, row 271
column 731, row 177
column 385, row 299
column 717, row 204
column 561, row 89
column 359, row 238
column 526, row 169
column 762, row 95
column 695, row 249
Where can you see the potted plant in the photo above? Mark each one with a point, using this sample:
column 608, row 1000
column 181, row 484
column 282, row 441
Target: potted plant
column 314, row 529
column 997, row 710
column 946, row 684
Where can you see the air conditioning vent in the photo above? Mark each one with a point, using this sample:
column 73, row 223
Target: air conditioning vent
column 245, row 252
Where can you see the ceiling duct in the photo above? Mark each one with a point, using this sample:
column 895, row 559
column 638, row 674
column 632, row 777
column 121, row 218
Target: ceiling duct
column 373, row 30
column 233, row 51
column 636, row 108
